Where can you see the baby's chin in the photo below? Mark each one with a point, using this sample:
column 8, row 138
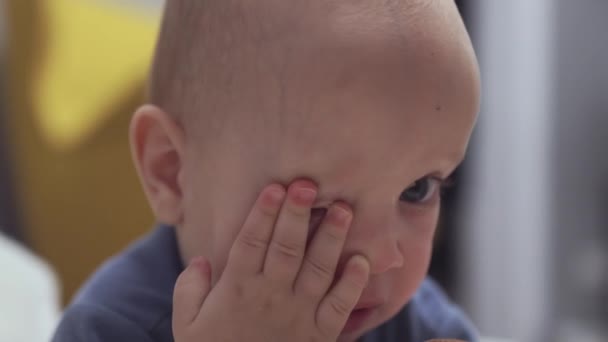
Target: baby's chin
column 373, row 321
column 349, row 337
column 354, row 336
column 378, row 317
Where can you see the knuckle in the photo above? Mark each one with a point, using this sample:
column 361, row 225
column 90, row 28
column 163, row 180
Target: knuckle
column 267, row 211
column 267, row 304
column 239, row 290
column 320, row 269
column 298, row 212
column 355, row 283
column 333, row 237
column 339, row 305
column 251, row 240
column 320, row 338
column 325, row 332
column 288, row 250
column 268, row 301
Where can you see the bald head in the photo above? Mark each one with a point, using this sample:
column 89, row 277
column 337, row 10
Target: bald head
column 233, row 62
column 367, row 98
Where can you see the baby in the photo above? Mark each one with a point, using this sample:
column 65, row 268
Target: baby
column 293, row 154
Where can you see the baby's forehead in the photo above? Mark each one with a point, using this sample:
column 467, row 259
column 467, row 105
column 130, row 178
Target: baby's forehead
column 212, row 48
column 358, row 72
column 371, row 145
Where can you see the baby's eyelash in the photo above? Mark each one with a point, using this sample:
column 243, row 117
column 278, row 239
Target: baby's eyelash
column 446, row 184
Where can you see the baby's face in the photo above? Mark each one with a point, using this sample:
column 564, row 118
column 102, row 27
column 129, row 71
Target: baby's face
column 374, row 123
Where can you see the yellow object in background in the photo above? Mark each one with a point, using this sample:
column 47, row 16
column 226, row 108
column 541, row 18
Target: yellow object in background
column 76, row 72
column 97, row 53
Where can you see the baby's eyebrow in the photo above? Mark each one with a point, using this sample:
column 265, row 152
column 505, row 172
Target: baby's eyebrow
column 457, row 158
column 455, row 164
column 444, row 167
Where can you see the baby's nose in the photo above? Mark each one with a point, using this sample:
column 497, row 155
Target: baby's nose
column 384, row 255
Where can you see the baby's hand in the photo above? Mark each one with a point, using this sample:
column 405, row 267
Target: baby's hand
column 273, row 287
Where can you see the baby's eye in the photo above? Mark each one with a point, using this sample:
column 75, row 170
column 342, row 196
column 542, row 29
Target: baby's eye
column 422, row 191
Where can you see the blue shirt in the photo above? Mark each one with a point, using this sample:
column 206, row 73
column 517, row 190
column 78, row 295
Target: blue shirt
column 130, row 300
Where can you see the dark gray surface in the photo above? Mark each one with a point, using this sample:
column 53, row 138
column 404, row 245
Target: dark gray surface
column 9, row 222
column 581, row 165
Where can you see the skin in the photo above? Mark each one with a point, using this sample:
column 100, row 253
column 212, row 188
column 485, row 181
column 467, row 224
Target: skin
column 274, row 286
column 363, row 101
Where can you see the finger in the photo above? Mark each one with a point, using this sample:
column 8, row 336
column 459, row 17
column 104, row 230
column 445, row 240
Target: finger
column 288, row 242
column 249, row 250
column 319, row 267
column 191, row 289
column 335, row 308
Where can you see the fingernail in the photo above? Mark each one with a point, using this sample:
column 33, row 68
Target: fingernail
column 361, row 266
column 202, row 265
column 340, row 215
column 306, row 195
column 276, row 194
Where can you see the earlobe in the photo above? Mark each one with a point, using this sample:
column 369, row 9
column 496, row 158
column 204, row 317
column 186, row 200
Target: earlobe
column 157, row 146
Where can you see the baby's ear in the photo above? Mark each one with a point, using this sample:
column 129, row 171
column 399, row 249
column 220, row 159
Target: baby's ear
column 157, row 145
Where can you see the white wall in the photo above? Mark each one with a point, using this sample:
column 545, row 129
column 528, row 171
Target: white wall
column 534, row 227
column 581, row 166
column 29, row 295
column 506, row 222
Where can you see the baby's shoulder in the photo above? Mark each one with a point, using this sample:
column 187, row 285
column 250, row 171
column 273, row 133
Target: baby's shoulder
column 131, row 292
column 429, row 315
column 93, row 322
column 434, row 315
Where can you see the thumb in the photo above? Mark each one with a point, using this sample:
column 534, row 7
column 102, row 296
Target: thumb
column 191, row 289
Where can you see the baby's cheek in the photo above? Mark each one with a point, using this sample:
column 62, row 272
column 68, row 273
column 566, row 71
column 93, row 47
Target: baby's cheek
column 421, row 226
column 405, row 281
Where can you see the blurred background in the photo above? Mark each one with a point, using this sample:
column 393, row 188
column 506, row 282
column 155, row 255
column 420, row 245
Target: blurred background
column 523, row 239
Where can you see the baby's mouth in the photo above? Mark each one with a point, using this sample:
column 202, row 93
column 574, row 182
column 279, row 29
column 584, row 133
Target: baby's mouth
column 316, row 218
